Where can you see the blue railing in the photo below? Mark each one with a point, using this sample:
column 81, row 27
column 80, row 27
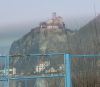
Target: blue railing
column 53, row 69
column 4, row 66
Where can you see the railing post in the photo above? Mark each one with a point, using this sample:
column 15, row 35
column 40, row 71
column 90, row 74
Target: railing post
column 6, row 72
column 26, row 83
column 67, row 60
column 8, row 64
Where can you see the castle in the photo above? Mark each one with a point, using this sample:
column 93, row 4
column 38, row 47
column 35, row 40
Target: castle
column 56, row 22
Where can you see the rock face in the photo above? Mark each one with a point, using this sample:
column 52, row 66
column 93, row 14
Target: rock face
column 42, row 41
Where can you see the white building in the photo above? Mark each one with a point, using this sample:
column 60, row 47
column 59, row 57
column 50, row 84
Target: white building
column 8, row 72
column 40, row 67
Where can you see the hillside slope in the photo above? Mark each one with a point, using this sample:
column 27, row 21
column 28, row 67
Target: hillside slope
column 42, row 41
column 87, row 39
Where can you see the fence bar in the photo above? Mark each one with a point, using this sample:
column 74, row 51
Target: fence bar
column 8, row 70
column 26, row 83
column 67, row 59
column 34, row 77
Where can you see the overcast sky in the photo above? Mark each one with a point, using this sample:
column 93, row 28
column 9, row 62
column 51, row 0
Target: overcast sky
column 17, row 17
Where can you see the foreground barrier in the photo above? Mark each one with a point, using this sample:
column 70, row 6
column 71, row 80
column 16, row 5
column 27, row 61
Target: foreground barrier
column 49, row 70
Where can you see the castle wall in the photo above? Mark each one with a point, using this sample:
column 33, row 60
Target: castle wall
column 52, row 27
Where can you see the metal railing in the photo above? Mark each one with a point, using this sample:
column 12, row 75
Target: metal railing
column 50, row 70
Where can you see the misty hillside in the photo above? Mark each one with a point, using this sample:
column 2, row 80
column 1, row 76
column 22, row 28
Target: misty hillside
column 40, row 41
column 84, row 41
column 43, row 40
column 87, row 39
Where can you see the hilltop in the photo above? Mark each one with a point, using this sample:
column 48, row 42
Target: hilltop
column 49, row 36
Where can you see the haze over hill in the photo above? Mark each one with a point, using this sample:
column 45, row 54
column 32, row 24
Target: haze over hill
column 87, row 39
column 13, row 32
column 85, row 34
column 43, row 38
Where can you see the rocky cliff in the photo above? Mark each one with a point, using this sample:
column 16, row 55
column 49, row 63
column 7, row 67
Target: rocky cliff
column 42, row 41
column 85, row 41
